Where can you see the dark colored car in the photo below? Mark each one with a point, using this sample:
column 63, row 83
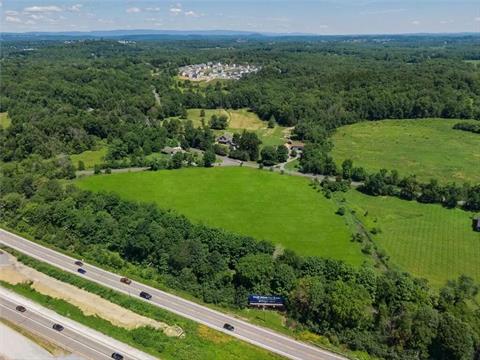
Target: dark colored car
column 228, row 327
column 58, row 327
column 117, row 356
column 20, row 308
column 78, row 263
column 126, row 280
column 82, row 271
column 145, row 295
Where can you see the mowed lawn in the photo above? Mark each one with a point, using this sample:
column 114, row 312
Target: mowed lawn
column 281, row 209
column 429, row 241
column 429, row 148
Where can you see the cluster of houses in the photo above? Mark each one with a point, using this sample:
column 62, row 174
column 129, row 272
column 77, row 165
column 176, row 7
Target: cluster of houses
column 212, row 71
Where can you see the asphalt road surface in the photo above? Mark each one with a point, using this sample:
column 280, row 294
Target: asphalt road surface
column 74, row 337
column 253, row 334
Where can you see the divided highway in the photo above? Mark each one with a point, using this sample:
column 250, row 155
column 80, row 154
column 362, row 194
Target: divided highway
column 74, row 337
column 245, row 331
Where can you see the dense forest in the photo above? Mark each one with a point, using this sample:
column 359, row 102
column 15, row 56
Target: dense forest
column 64, row 98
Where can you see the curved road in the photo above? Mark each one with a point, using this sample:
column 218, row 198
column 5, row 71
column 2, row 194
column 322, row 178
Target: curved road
column 264, row 338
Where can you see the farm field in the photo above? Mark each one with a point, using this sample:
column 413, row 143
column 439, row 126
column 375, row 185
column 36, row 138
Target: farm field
column 89, row 157
column 242, row 119
column 428, row 148
column 4, row 120
column 426, row 240
column 281, row 209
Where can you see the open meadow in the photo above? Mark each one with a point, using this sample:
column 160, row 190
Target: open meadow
column 428, row 148
column 242, row 119
column 426, row 240
column 90, row 157
column 265, row 205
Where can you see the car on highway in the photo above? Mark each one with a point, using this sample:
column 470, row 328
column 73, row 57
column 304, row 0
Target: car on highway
column 78, row 263
column 228, row 327
column 82, row 271
column 58, row 327
column 145, row 295
column 117, row 356
column 126, row 280
column 20, row 308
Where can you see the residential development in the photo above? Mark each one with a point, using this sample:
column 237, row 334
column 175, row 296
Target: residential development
column 212, row 71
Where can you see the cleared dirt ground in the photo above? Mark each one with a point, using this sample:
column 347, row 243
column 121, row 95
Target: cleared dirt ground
column 91, row 304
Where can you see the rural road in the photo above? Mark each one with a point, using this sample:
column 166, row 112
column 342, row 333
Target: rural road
column 259, row 336
column 76, row 338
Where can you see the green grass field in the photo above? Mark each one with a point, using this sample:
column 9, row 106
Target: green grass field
column 429, row 148
column 265, row 205
column 89, row 157
column 5, row 121
column 242, row 119
column 428, row 241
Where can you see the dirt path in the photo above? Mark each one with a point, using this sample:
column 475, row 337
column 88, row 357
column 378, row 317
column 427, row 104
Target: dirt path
column 15, row 272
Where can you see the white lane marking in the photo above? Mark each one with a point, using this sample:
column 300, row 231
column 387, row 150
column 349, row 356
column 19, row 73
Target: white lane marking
column 58, row 333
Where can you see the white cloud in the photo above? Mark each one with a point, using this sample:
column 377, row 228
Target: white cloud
column 30, row 22
column 42, row 9
column 133, row 10
column 323, row 26
column 76, row 7
column 175, row 10
column 36, row 17
column 477, row 18
column 191, row 13
column 415, row 22
column 153, row 9
column 13, row 19
column 11, row 12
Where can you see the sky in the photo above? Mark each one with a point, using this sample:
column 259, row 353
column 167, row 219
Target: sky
column 281, row 16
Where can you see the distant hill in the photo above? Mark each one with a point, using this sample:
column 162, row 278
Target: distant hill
column 149, row 34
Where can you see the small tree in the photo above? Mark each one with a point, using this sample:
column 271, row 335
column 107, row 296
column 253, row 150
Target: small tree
column 209, row 158
column 97, row 169
column 272, row 122
column 108, row 170
column 81, row 165
column 202, row 113
column 269, row 156
column 282, row 153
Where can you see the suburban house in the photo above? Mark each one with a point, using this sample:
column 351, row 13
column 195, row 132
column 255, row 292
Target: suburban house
column 172, row 150
column 226, row 139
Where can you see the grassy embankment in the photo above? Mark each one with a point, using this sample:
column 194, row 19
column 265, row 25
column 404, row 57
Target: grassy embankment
column 265, row 205
column 428, row 148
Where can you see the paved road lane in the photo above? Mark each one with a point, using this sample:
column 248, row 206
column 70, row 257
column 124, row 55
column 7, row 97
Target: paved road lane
column 253, row 334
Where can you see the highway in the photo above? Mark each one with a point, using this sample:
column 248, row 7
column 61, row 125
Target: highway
column 257, row 335
column 75, row 337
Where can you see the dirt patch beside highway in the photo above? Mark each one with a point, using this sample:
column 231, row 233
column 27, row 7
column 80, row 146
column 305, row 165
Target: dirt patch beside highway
column 91, row 304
